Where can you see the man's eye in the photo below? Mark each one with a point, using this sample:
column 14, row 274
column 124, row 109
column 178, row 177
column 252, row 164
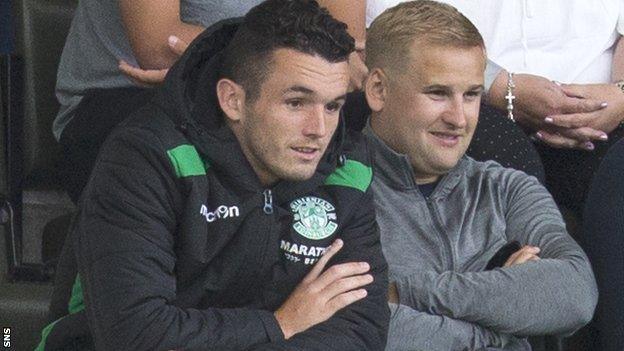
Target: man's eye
column 333, row 107
column 437, row 94
column 473, row 94
column 295, row 103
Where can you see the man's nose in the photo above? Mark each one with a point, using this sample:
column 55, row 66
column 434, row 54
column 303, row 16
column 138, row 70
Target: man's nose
column 315, row 125
column 456, row 113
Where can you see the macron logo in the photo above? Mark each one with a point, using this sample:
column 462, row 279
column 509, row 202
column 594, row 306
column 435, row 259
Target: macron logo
column 222, row 212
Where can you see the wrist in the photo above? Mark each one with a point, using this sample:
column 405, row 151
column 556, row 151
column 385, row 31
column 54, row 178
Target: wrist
column 496, row 95
column 510, row 97
column 283, row 324
column 620, row 85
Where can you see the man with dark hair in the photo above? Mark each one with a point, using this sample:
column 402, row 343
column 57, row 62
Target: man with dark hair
column 212, row 213
column 478, row 254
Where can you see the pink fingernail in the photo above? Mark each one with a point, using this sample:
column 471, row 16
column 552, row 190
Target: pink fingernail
column 589, row 145
column 604, row 104
column 173, row 40
column 539, row 135
column 548, row 120
column 604, row 136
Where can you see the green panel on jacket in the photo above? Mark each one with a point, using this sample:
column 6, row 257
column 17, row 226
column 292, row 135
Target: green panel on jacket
column 186, row 161
column 76, row 304
column 353, row 174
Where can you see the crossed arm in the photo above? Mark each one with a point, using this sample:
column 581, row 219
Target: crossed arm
column 159, row 37
column 128, row 268
column 554, row 295
column 149, row 24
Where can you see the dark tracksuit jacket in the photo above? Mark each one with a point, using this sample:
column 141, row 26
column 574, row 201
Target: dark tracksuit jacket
column 180, row 247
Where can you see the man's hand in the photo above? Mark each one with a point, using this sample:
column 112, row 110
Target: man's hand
column 321, row 294
column 606, row 119
column 538, row 98
column 525, row 254
column 152, row 77
column 357, row 71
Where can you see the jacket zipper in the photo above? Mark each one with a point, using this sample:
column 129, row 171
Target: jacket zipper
column 437, row 223
column 268, row 202
column 268, row 211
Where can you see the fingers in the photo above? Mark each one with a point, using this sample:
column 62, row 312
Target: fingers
column 576, row 105
column 146, row 78
column 344, row 300
column 584, row 135
column 323, row 293
column 347, row 284
column 339, row 271
column 177, row 45
column 525, row 257
column 525, row 254
column 563, row 142
column 327, row 255
column 357, row 72
column 578, row 102
column 574, row 120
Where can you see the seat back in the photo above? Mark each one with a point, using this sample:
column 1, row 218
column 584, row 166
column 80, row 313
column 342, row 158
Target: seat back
column 42, row 27
column 27, row 91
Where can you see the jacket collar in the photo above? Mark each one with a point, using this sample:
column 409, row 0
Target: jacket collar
column 395, row 170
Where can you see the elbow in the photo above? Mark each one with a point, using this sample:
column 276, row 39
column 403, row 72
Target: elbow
column 154, row 57
column 581, row 309
column 585, row 312
column 153, row 52
column 587, row 300
column 583, row 315
column 140, row 332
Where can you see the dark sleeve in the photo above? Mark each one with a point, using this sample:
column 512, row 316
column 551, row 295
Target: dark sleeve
column 603, row 237
column 125, row 252
column 362, row 325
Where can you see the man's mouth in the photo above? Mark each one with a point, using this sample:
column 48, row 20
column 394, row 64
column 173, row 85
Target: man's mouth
column 305, row 152
column 447, row 138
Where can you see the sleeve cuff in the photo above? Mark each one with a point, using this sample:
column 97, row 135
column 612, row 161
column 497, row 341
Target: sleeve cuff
column 492, row 69
column 272, row 328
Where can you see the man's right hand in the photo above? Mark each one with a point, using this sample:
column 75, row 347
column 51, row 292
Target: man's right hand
column 150, row 78
column 525, row 254
column 321, row 294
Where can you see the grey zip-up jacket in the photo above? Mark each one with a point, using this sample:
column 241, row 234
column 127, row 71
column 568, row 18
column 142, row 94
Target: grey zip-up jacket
column 437, row 250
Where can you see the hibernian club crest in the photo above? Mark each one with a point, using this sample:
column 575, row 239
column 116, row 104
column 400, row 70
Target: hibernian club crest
column 314, row 218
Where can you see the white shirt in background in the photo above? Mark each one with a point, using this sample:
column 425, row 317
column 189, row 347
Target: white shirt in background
column 570, row 41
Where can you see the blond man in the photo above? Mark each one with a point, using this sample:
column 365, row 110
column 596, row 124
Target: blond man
column 479, row 255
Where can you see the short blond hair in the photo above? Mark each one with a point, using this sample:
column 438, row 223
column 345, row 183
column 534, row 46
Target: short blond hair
column 392, row 33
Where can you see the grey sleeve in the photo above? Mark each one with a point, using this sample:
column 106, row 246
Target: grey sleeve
column 414, row 330
column 492, row 69
column 555, row 295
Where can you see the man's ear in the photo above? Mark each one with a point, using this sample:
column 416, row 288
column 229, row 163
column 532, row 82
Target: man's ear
column 231, row 99
column 376, row 89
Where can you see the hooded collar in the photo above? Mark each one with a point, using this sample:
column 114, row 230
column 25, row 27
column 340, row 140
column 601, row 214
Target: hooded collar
column 189, row 99
column 395, row 169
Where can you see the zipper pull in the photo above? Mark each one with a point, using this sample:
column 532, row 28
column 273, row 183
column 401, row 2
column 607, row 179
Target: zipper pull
column 268, row 202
